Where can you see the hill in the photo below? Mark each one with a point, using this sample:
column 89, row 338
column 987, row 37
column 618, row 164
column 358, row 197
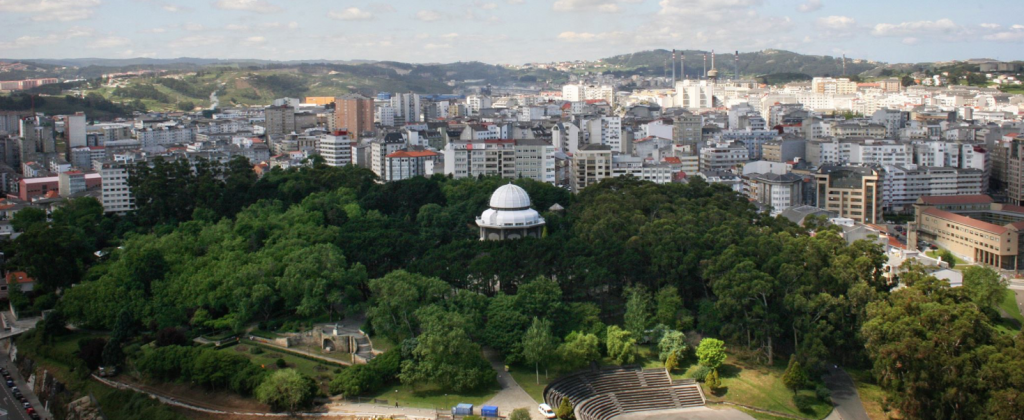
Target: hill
column 655, row 62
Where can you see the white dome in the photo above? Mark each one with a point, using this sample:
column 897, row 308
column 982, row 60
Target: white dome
column 509, row 218
column 510, row 196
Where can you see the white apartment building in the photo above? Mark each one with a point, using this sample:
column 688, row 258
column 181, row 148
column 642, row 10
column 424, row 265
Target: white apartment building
column 477, row 102
column 116, row 196
column 573, row 93
column 566, row 137
column 754, row 140
column 74, row 130
column 779, row 191
column 165, row 135
column 723, row 157
column 510, row 159
column 380, row 149
column 407, row 107
column 694, row 94
column 405, row 164
column 336, row 149
column 831, row 86
column 902, row 185
column 881, row 152
column 606, row 131
column 385, row 115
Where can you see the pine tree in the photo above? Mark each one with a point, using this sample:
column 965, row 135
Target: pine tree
column 794, row 377
column 712, row 380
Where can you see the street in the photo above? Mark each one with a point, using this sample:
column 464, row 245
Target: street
column 15, row 411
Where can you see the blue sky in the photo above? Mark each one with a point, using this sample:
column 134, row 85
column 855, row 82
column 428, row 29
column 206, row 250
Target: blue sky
column 507, row 31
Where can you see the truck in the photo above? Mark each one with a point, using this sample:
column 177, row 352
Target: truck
column 462, row 409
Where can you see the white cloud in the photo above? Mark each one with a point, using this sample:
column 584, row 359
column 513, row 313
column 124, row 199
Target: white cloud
column 171, row 8
column 708, row 10
column 51, row 10
column 515, row 1
column 237, row 27
column 109, row 42
column 604, row 6
column 193, row 27
column 990, row 25
column 29, row 41
column 255, row 40
column 486, row 6
column 428, row 15
column 1014, row 34
column 382, row 8
column 941, row 27
column 449, row 36
column 351, row 13
column 809, row 6
column 836, row 25
column 910, row 40
column 258, row 6
column 437, row 46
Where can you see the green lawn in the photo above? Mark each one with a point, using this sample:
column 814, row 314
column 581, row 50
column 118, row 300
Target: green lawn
column 959, row 262
column 269, row 358
column 760, row 387
column 428, row 396
column 526, row 377
column 1009, row 304
column 871, row 395
column 758, row 415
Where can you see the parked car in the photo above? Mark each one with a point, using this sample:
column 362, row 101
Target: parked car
column 10, row 383
column 26, row 404
column 30, row 410
column 545, row 410
column 34, row 416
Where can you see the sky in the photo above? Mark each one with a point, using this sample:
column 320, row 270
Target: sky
column 507, row 31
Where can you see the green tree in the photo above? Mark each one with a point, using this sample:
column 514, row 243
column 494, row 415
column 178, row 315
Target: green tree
column 565, row 411
column 286, row 389
column 638, row 310
column 794, row 377
column 948, row 257
column 984, row 286
column 113, row 355
column 671, row 346
column 579, row 349
column 186, row 106
column 539, row 345
column 669, row 305
column 396, row 297
column 712, row 381
column 26, row 218
column 711, row 352
column 520, row 414
column 444, row 354
column 621, row 345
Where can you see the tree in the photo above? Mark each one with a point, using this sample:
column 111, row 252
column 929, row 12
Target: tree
column 712, row 381
column 520, row 414
column 621, row 345
column 565, row 411
column 794, row 377
column 711, row 353
column 984, row 286
column 396, row 297
column 90, row 350
column 286, row 389
column 580, row 349
column 26, row 218
column 444, row 354
column 638, row 310
column 112, row 354
column 539, row 345
column 669, row 305
column 671, row 346
column 186, row 106
column 948, row 257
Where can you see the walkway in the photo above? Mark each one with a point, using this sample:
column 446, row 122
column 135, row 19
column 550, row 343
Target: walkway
column 692, row 413
column 844, row 395
column 511, row 396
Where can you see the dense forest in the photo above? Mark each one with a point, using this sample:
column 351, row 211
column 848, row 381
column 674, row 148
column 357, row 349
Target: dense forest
column 216, row 249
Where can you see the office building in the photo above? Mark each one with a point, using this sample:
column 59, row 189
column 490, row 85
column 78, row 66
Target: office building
column 354, row 113
column 850, row 192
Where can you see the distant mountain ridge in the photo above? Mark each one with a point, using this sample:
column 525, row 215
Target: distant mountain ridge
column 759, row 63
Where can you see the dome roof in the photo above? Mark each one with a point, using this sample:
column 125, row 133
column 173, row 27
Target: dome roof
column 510, row 196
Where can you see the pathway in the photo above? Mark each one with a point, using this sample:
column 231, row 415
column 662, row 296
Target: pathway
column 691, row 413
column 511, row 396
column 844, row 395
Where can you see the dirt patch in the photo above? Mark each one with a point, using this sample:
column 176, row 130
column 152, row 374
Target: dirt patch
column 219, row 400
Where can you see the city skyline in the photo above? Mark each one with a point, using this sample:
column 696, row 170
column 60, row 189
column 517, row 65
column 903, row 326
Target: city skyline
column 504, row 31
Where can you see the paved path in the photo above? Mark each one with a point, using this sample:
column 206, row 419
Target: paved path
column 511, row 396
column 13, row 407
column 844, row 395
column 692, row 413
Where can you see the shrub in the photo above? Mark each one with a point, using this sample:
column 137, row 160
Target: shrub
column 803, row 402
column 712, row 380
column 702, row 373
column 255, row 350
column 281, row 363
column 823, row 393
column 520, row 414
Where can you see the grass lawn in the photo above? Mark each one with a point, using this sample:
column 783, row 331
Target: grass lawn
column 269, row 359
column 381, row 343
column 759, row 386
column 1009, row 304
column 526, row 377
column 871, row 395
column 429, row 396
column 959, row 262
column 758, row 415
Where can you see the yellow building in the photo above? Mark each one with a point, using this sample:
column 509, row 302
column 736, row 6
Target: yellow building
column 972, row 227
column 319, row 100
column 850, row 191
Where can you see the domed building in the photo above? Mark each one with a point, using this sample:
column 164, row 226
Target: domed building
column 510, row 216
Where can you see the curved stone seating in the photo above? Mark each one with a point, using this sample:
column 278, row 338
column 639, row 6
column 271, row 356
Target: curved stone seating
column 606, row 393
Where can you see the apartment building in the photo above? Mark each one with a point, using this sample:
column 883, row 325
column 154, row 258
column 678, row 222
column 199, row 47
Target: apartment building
column 590, row 165
column 723, row 157
column 528, row 158
column 279, row 119
column 116, row 196
column 607, row 131
column 381, row 148
column 902, row 185
column 778, row 192
column 354, row 113
column 335, row 148
column 850, row 191
column 405, row 164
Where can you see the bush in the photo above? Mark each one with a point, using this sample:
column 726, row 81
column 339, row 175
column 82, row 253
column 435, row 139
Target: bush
column 255, row 350
column 823, row 393
column 702, row 373
column 520, row 414
column 281, row 363
column 803, row 402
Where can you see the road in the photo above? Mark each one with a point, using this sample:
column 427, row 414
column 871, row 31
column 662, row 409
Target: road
column 15, row 411
column 844, row 395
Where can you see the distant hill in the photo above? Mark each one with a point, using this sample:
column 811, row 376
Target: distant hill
column 655, row 62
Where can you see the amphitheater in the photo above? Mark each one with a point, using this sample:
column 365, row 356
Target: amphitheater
column 601, row 394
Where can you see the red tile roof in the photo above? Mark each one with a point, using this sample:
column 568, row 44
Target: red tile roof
column 412, row 154
column 671, row 159
column 1011, row 208
column 956, row 199
column 19, row 277
column 964, row 220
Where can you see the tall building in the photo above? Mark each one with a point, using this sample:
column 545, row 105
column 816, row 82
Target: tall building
column 524, row 158
column 405, row 164
column 607, row 131
column 590, row 165
column 903, row 185
column 407, row 108
column 687, row 128
column 381, row 148
column 116, row 195
column 74, row 130
column 335, row 148
column 354, row 113
column 850, row 191
column 279, row 119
